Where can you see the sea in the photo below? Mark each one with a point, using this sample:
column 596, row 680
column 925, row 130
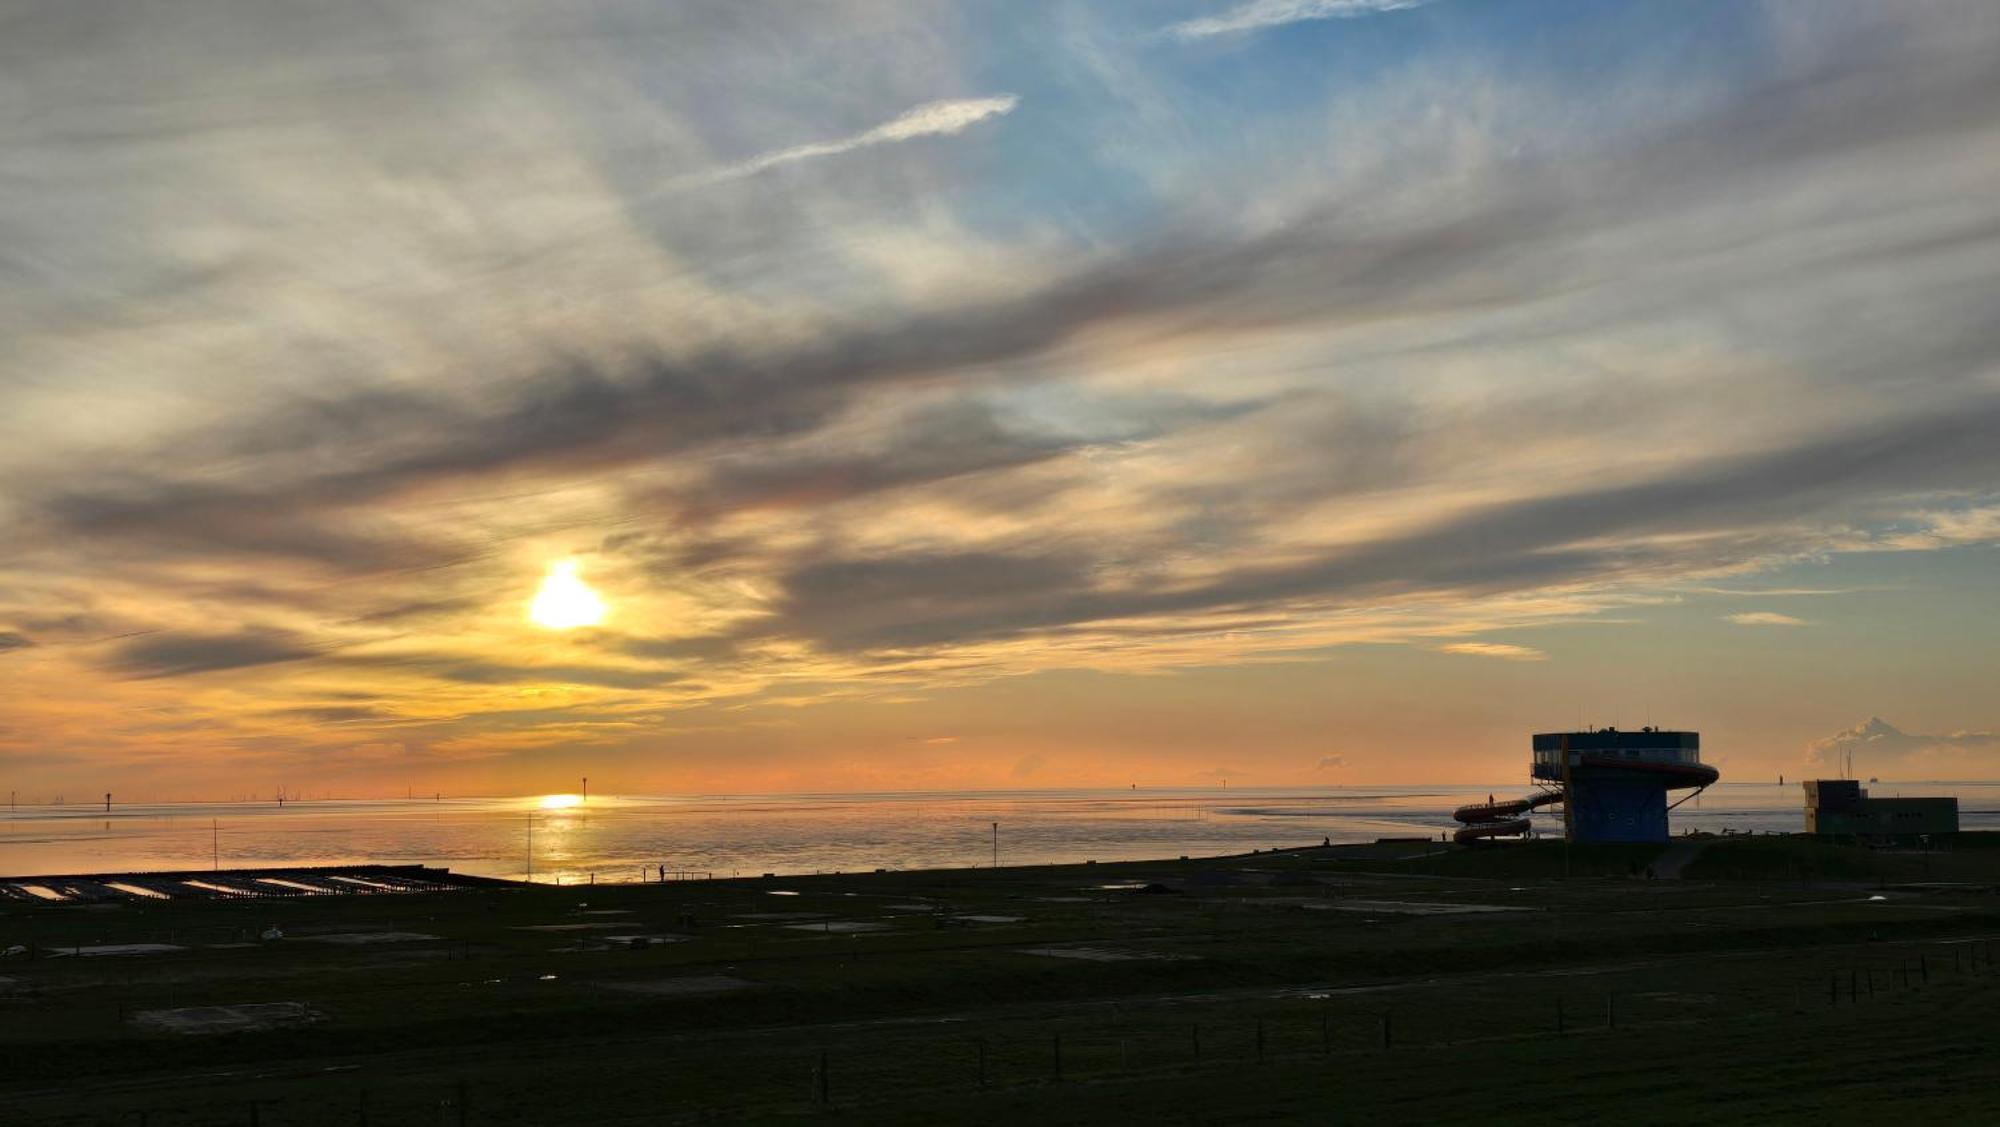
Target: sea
column 620, row 838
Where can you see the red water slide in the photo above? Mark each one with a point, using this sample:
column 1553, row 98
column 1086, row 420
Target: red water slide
column 1499, row 819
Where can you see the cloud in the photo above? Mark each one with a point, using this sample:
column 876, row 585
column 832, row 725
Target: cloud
column 1260, row 14
column 1029, row 765
column 932, row 119
column 10, row 640
column 1876, row 742
column 181, row 655
column 1326, row 761
column 1503, row 650
column 340, row 714
column 1764, row 618
column 1385, row 363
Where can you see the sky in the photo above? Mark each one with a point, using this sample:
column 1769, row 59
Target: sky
column 999, row 395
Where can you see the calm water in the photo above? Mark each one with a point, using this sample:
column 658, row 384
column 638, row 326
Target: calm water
column 615, row 837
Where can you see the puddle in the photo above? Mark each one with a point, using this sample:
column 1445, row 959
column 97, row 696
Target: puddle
column 1102, row 954
column 374, row 884
column 572, row 927
column 137, row 890
column 294, row 885
column 847, row 926
column 211, row 886
column 116, row 949
column 226, row 1019
column 693, row 985
column 1412, row 908
column 361, row 938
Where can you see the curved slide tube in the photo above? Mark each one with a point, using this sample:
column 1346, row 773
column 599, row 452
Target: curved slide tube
column 1473, row 833
column 1498, row 811
column 1499, row 819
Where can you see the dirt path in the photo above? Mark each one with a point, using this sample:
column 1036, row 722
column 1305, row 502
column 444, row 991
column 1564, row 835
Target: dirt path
column 1677, row 856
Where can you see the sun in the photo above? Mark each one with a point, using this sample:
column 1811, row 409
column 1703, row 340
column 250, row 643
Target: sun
column 560, row 801
column 564, row 601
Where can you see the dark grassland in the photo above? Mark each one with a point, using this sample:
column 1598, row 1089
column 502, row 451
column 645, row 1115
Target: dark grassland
column 1781, row 980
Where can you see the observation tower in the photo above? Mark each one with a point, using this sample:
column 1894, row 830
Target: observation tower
column 1612, row 785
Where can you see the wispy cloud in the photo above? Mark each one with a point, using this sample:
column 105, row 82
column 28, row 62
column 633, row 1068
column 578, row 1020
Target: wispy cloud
column 1259, row 14
column 932, row 119
column 1503, row 650
column 1764, row 618
column 1329, row 761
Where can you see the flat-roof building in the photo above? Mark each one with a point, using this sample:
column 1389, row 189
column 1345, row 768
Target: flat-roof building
column 1841, row 808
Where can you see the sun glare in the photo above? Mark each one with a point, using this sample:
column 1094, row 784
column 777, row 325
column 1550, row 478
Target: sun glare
column 564, row 601
column 560, row 801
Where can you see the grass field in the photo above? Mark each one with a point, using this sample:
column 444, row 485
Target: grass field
column 1783, row 980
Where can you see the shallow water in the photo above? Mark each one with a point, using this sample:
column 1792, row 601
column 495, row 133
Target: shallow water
column 615, row 837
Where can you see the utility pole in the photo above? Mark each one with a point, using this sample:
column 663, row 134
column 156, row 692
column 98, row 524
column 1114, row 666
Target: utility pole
column 586, row 788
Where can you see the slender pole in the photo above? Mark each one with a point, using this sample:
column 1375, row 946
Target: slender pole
column 996, row 845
